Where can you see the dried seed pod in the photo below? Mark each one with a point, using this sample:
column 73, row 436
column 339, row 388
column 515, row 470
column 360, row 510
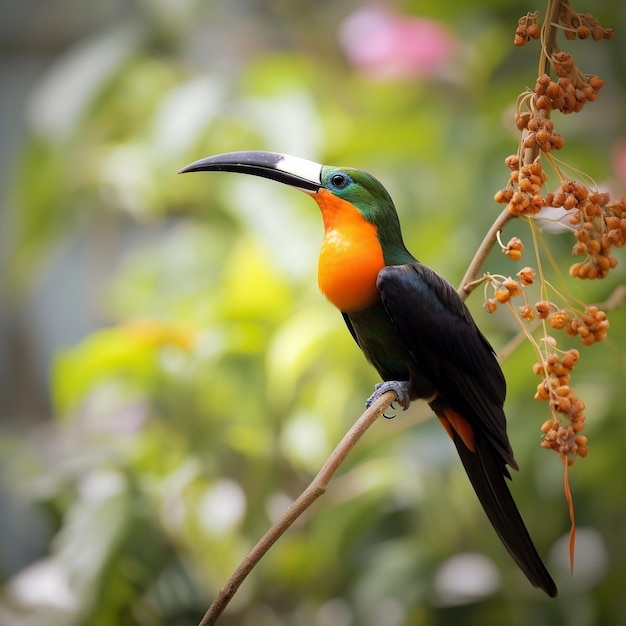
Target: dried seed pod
column 526, row 276
column 490, row 305
column 513, row 287
column 543, row 308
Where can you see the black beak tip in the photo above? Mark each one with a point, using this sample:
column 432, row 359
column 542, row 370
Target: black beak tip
column 196, row 166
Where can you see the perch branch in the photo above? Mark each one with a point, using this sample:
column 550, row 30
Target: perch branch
column 304, row 501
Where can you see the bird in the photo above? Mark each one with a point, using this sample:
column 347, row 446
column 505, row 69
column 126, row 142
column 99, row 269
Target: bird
column 411, row 325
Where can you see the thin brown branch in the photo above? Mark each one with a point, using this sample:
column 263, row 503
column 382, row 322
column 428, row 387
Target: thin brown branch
column 549, row 33
column 304, row 501
column 470, row 282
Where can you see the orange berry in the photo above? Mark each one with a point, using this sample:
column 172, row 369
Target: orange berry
column 574, row 269
column 526, row 276
column 503, row 196
column 557, row 141
column 543, row 102
column 597, row 33
column 490, row 305
column 562, row 405
column 562, row 373
column 515, row 243
column 521, row 120
column 589, row 340
column 563, row 391
column 512, row 161
column 595, row 82
column 502, row 295
column 543, row 135
column 520, row 38
column 542, row 392
column 559, row 319
column 543, row 309
column 600, row 335
column 513, row 287
column 531, row 140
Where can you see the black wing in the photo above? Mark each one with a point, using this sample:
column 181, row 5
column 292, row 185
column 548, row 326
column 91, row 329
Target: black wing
column 448, row 348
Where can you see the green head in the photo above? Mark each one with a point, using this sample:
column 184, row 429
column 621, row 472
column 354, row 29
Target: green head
column 368, row 195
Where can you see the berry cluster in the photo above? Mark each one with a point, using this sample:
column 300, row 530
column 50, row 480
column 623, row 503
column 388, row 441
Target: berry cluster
column 523, row 192
column 562, row 432
column 596, row 242
column 504, row 288
column 591, row 326
column 599, row 225
column 582, row 25
column 527, row 29
column 574, row 25
column 570, row 92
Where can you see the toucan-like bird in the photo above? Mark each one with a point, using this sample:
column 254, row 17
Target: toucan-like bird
column 411, row 325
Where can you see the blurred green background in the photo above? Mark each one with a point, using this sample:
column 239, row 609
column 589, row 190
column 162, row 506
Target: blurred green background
column 170, row 377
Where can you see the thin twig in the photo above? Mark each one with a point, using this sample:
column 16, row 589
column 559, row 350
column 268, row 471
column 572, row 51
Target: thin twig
column 304, row 501
column 548, row 36
column 469, row 282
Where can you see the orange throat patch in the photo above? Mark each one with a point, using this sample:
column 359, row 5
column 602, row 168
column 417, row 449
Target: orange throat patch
column 350, row 257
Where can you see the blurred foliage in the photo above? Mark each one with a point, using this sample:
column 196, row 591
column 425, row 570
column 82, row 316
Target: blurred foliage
column 217, row 380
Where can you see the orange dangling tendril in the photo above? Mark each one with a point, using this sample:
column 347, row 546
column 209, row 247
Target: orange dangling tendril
column 570, row 502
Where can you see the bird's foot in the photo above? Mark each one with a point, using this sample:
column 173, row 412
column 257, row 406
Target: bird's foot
column 401, row 387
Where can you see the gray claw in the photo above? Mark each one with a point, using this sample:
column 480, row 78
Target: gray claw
column 400, row 387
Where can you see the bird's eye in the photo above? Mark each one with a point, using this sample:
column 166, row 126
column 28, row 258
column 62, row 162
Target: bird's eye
column 339, row 181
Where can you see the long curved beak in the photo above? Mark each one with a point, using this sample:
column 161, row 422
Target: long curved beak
column 290, row 170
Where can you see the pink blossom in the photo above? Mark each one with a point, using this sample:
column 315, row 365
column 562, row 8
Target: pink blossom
column 385, row 45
